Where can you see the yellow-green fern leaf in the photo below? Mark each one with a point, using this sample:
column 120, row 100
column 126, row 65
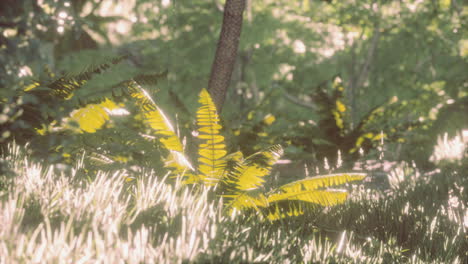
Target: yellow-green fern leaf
column 321, row 182
column 92, row 117
column 31, row 86
column 291, row 199
column 249, row 174
column 278, row 211
column 255, row 200
column 177, row 161
column 241, row 184
column 211, row 149
column 285, row 205
column 155, row 118
column 229, row 162
column 320, row 197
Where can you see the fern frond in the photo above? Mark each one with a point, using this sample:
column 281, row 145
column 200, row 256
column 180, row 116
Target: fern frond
column 254, row 200
column 285, row 209
column 87, row 74
column 155, row 118
column 149, row 79
column 211, row 149
column 249, row 174
column 242, row 182
column 92, row 117
column 332, row 109
column 339, row 109
column 282, row 205
column 320, row 197
column 323, row 181
column 229, row 162
column 65, row 86
column 292, row 198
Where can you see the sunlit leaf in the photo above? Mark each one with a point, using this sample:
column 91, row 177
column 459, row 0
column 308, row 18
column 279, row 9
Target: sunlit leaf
column 269, row 119
column 291, row 199
column 321, row 182
column 211, row 149
column 244, row 177
column 250, row 173
column 247, row 200
column 321, row 197
column 155, row 118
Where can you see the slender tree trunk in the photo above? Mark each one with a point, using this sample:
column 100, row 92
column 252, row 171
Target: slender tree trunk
column 226, row 51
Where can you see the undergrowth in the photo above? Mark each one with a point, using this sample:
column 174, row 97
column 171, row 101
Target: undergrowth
column 51, row 215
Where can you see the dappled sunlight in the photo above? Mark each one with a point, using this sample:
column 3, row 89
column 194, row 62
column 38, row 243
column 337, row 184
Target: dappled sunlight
column 24, row 71
column 450, row 149
column 299, row 47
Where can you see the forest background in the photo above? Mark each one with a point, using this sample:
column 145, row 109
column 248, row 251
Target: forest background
column 339, row 84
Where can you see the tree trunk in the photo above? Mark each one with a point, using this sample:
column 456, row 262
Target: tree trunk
column 226, row 52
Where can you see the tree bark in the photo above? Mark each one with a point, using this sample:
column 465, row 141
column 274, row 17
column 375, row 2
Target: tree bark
column 226, row 52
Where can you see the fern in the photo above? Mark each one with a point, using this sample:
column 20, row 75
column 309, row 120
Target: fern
column 249, row 175
column 321, row 182
column 242, row 183
column 239, row 180
column 95, row 113
column 308, row 190
column 155, row 118
column 92, row 117
column 65, row 86
column 242, row 180
column 212, row 149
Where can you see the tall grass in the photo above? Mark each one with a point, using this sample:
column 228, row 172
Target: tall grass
column 51, row 214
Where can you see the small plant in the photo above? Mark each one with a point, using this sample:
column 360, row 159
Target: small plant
column 337, row 130
column 240, row 180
